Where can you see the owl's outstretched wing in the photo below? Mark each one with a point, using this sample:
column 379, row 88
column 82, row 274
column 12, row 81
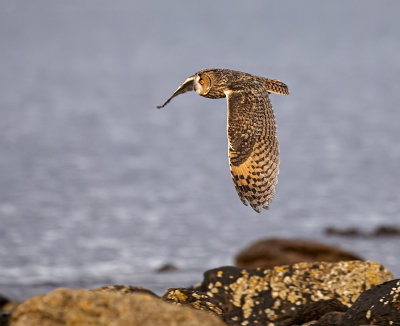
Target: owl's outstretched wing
column 253, row 146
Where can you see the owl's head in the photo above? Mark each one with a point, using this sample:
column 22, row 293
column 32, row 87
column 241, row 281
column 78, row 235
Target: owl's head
column 206, row 82
column 202, row 83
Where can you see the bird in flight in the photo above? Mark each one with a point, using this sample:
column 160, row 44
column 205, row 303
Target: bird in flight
column 253, row 145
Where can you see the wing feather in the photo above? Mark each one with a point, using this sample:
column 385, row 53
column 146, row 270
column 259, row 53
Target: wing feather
column 253, row 146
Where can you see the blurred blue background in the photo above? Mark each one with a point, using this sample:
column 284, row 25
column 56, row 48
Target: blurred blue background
column 97, row 186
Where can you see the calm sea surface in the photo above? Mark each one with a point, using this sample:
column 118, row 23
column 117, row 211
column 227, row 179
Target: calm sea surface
column 99, row 187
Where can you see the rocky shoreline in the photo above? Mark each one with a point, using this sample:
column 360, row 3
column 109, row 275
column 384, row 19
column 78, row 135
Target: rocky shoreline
column 340, row 293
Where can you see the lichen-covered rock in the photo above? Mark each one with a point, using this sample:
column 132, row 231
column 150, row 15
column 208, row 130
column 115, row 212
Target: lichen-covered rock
column 195, row 299
column 377, row 306
column 273, row 296
column 126, row 289
column 106, row 307
column 276, row 252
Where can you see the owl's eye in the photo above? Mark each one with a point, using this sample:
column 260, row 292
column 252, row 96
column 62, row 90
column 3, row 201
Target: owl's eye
column 201, row 81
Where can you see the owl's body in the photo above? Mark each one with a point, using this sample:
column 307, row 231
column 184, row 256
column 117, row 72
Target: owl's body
column 253, row 145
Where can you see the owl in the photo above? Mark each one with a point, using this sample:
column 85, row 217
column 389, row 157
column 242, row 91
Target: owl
column 253, row 145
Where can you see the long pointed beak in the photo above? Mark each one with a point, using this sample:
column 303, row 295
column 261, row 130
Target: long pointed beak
column 187, row 86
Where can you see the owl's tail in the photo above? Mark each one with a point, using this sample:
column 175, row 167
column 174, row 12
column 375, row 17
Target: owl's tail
column 277, row 87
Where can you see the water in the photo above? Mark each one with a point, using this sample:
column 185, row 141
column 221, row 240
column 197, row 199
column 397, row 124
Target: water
column 98, row 187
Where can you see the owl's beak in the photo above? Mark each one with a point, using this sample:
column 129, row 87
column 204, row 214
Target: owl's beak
column 187, row 86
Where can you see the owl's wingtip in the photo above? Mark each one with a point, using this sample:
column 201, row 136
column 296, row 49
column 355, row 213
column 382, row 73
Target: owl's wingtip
column 161, row 106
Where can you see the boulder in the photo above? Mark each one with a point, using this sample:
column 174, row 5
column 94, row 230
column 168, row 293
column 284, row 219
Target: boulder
column 377, row 306
column 318, row 293
column 106, row 307
column 275, row 296
column 276, row 252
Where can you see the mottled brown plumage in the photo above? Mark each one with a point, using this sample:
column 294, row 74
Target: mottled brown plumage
column 253, row 145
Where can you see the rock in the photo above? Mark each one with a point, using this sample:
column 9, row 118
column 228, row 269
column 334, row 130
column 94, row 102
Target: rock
column 274, row 296
column 276, row 252
column 195, row 299
column 10, row 306
column 382, row 230
column 350, row 232
column 106, row 307
column 316, row 310
column 378, row 306
column 6, row 306
column 126, row 289
column 3, row 301
column 330, row 319
column 167, row 268
column 386, row 230
column 4, row 318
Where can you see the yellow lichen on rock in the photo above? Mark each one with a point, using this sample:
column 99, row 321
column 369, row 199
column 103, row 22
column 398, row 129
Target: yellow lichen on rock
column 192, row 298
column 105, row 308
column 280, row 291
